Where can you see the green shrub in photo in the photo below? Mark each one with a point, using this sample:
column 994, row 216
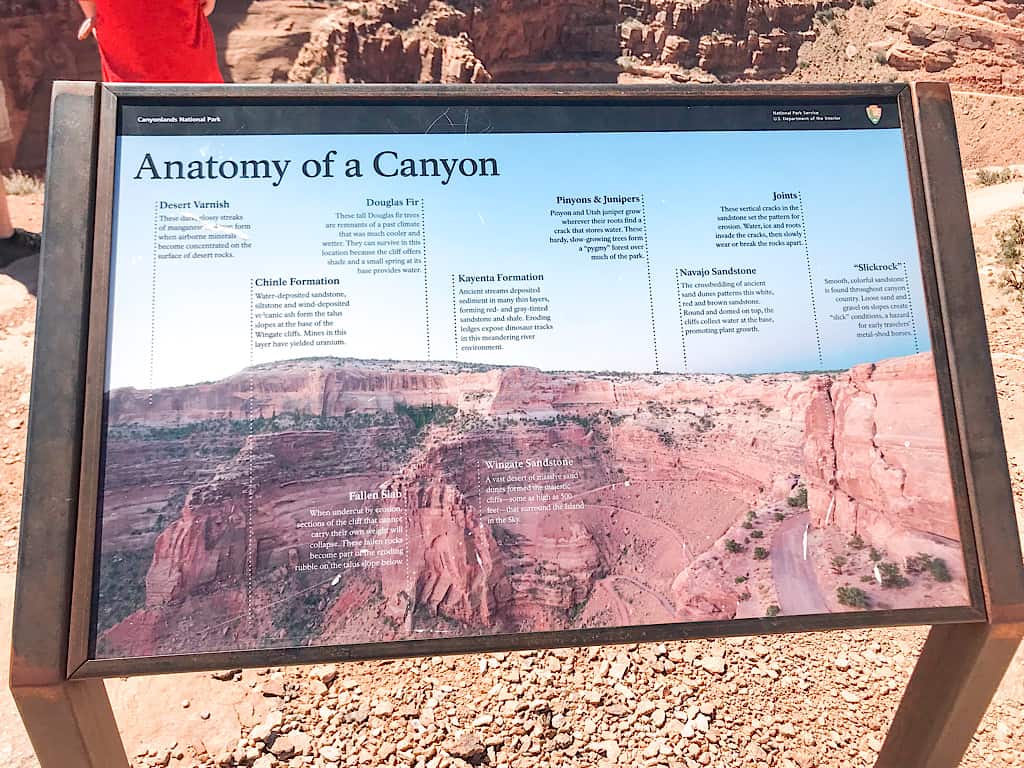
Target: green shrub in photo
column 852, row 597
column 918, row 563
column 939, row 570
column 892, row 577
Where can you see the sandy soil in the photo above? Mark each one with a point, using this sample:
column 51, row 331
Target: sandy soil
column 988, row 123
column 17, row 320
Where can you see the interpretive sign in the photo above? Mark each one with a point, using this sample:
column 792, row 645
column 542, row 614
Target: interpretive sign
column 388, row 372
column 371, row 372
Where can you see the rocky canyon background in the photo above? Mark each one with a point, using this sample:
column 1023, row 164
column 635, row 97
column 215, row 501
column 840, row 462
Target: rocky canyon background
column 975, row 45
column 810, row 701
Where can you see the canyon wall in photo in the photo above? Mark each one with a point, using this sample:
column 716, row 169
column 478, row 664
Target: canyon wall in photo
column 642, row 488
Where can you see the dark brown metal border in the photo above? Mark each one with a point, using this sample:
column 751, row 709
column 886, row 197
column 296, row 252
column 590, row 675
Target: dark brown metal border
column 93, row 405
column 769, row 92
column 988, row 487
column 50, row 503
column 934, row 308
column 159, row 665
column 479, row 95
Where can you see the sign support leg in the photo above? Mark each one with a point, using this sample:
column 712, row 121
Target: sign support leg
column 71, row 725
column 953, row 683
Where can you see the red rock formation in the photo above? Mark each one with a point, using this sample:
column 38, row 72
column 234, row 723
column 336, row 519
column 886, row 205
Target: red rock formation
column 428, row 41
column 209, row 544
column 454, row 566
column 431, row 41
column 889, row 478
column 545, row 40
column 727, row 38
column 332, row 387
column 258, row 40
column 326, row 387
column 975, row 44
column 662, row 466
column 402, row 41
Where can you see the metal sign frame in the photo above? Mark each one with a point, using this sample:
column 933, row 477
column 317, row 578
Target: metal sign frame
column 59, row 689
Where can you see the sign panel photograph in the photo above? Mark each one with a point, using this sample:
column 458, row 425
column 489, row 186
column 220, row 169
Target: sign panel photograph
column 394, row 371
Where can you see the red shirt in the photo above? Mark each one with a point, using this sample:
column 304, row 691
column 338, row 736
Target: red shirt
column 155, row 41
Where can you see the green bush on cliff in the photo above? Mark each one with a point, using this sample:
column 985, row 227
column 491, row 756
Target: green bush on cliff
column 939, row 570
column 852, row 597
column 573, row 612
column 122, row 588
column 799, row 498
column 760, row 553
column 302, row 617
column 422, row 416
column 892, row 577
column 918, row 563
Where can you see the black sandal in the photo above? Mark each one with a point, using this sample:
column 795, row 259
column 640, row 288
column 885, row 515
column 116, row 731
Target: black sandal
column 18, row 246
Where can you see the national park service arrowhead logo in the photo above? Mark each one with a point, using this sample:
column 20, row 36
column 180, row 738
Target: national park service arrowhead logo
column 874, row 113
